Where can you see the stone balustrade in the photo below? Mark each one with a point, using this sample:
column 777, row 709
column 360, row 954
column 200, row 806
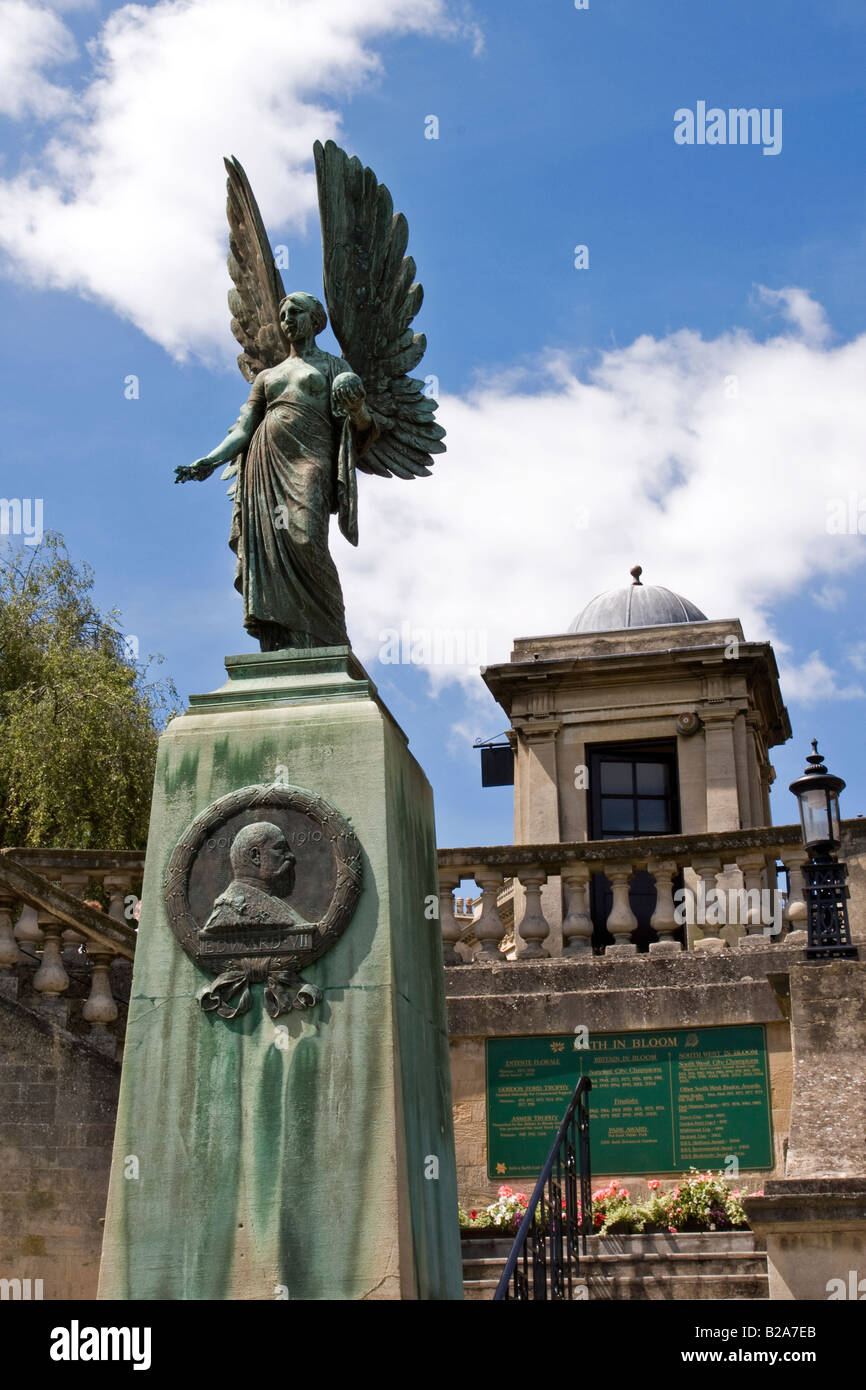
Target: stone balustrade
column 722, row 888
column 47, row 922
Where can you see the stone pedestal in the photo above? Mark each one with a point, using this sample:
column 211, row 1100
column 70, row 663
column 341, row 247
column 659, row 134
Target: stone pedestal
column 828, row 1040
column 310, row 1156
column 815, row 1232
column 814, row 1219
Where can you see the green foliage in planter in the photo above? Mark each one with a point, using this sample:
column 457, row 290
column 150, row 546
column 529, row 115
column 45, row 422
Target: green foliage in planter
column 502, row 1217
column 613, row 1211
column 697, row 1202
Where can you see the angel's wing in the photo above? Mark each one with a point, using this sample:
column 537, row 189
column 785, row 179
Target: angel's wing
column 372, row 299
column 255, row 300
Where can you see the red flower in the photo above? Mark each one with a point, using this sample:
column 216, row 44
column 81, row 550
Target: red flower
column 598, row 1219
column 472, row 1215
column 653, row 1184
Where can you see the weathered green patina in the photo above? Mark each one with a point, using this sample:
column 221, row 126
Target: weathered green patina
column 262, row 1160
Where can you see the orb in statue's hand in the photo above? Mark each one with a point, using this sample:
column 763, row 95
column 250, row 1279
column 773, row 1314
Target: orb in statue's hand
column 347, row 393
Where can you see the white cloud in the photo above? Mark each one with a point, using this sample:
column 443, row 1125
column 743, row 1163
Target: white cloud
column 711, row 463
column 33, row 39
column 720, row 496
column 829, row 596
column 799, row 308
column 127, row 204
column 813, row 680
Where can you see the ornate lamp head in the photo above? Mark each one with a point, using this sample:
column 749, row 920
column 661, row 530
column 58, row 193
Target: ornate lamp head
column 817, row 792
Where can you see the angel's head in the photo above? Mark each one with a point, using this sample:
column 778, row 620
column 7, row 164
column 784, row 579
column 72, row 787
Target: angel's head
column 301, row 316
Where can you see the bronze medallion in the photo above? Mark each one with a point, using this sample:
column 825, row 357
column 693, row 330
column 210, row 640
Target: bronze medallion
column 262, row 884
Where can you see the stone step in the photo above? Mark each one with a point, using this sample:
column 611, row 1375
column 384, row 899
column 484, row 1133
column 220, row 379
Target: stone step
column 711, row 1242
column 721, row 1287
column 640, row 1266
column 722, row 1265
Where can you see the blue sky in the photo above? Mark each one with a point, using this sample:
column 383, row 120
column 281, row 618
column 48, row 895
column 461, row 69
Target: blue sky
column 590, row 424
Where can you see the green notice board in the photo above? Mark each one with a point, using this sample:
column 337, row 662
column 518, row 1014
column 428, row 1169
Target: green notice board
column 661, row 1101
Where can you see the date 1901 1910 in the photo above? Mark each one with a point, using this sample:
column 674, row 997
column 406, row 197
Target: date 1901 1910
column 725, row 1333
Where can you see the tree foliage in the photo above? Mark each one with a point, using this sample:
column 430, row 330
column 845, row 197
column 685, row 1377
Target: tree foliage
column 79, row 721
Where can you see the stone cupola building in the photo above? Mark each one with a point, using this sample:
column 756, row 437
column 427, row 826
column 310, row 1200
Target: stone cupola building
column 645, row 718
column 642, row 742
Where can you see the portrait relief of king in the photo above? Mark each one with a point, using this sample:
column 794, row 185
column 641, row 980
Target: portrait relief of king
column 262, row 883
column 263, row 877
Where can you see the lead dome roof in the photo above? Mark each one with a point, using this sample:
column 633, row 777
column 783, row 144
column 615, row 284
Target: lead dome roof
column 636, row 605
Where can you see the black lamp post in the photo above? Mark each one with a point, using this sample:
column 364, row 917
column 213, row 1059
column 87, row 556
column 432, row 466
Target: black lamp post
column 826, row 891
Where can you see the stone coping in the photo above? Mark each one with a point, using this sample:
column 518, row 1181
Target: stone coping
column 638, row 847
column 688, row 991
column 643, row 971
column 815, row 1202
column 131, row 860
column 814, row 1187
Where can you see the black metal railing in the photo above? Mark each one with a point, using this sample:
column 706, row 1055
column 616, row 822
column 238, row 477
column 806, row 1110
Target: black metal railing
column 826, row 893
column 545, row 1259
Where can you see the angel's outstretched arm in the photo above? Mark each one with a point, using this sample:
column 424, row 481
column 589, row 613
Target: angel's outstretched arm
column 235, row 441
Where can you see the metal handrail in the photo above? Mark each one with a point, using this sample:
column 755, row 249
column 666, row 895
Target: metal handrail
column 559, row 1213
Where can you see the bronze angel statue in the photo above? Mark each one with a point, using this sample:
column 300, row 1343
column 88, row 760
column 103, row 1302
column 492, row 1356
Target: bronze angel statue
column 311, row 419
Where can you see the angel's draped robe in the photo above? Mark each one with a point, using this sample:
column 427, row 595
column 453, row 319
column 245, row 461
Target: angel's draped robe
column 298, row 468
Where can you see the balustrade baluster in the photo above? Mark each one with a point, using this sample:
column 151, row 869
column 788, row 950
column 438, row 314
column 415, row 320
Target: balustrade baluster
column 99, row 1008
column 752, row 866
column 10, row 952
column 448, row 923
column 704, row 935
column 534, row 927
column 74, row 882
column 621, row 921
column 27, row 930
column 796, row 913
column 577, row 925
column 118, row 886
column 51, row 980
column 490, row 928
column 663, row 919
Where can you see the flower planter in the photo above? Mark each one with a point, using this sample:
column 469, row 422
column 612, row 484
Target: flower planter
column 487, row 1233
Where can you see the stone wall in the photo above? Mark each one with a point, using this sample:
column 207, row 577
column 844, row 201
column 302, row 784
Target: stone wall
column 58, row 1098
column 608, row 995
column 853, row 853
